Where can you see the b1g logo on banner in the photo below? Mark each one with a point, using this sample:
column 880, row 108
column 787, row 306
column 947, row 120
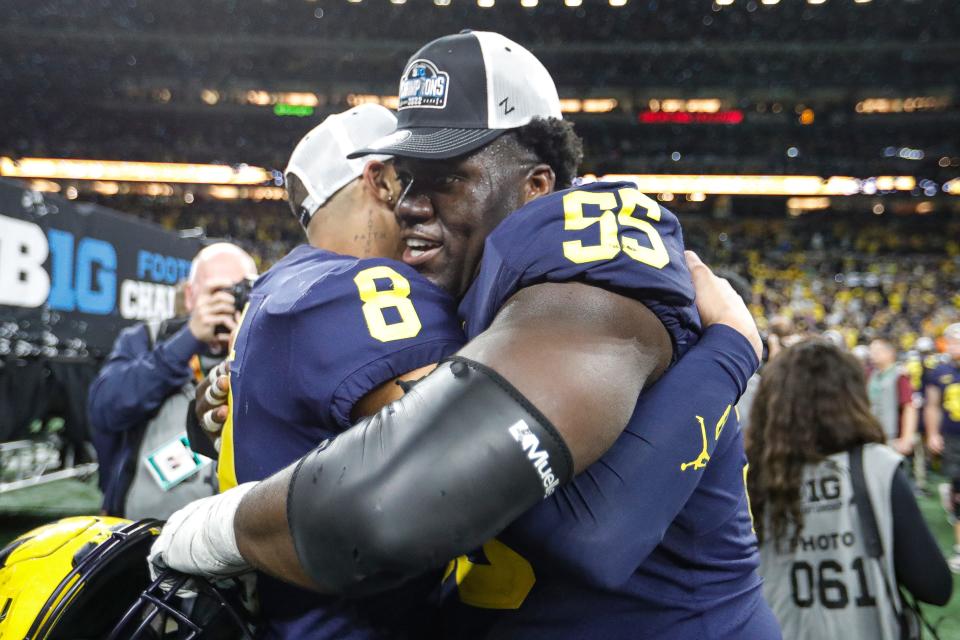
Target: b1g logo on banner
column 88, row 270
column 83, row 275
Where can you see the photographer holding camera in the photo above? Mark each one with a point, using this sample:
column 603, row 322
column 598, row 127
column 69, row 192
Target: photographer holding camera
column 139, row 401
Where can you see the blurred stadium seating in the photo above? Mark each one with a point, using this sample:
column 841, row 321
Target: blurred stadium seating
column 155, row 80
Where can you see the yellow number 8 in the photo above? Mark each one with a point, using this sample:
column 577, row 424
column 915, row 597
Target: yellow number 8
column 611, row 244
column 375, row 301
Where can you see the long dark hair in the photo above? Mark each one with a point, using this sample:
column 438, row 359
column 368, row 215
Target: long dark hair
column 812, row 402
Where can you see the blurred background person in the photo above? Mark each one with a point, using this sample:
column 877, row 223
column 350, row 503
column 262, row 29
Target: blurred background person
column 781, row 333
column 138, row 402
column 891, row 397
column 811, row 423
column 942, row 419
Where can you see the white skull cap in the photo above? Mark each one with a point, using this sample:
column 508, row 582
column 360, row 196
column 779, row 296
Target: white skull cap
column 320, row 158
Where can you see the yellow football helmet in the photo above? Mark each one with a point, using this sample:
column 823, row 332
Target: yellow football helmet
column 86, row 577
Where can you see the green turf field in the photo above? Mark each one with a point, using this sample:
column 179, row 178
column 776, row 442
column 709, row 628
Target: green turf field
column 24, row 509
column 945, row 619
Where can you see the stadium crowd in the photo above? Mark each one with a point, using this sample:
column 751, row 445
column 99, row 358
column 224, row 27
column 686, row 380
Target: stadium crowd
column 896, row 279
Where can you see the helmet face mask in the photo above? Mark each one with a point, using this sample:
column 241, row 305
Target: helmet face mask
column 186, row 608
column 87, row 577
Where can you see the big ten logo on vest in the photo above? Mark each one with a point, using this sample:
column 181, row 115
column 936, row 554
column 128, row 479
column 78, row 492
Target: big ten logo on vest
column 82, row 274
column 822, row 494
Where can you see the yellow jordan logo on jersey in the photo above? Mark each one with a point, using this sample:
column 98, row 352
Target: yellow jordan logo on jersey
column 701, row 460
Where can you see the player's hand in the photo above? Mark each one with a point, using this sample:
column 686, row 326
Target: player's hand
column 902, row 447
column 718, row 303
column 199, row 539
column 211, row 400
column 935, row 443
column 213, row 311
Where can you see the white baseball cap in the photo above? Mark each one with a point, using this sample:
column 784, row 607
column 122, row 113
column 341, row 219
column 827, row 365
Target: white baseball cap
column 462, row 91
column 320, row 158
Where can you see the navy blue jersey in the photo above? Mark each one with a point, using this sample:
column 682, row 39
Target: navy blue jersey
column 946, row 377
column 320, row 332
column 930, row 364
column 655, row 540
column 606, row 234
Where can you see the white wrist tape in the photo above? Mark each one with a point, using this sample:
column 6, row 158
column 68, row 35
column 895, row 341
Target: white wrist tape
column 200, row 540
column 216, row 372
column 210, row 424
column 214, row 395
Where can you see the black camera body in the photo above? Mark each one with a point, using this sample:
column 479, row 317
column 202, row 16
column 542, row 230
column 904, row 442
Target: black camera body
column 241, row 295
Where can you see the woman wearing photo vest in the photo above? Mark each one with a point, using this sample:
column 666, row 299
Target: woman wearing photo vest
column 839, row 528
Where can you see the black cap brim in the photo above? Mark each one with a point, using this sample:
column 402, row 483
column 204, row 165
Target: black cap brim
column 430, row 144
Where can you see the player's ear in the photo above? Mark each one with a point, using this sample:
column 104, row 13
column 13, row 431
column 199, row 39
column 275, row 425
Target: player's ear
column 380, row 178
column 540, row 181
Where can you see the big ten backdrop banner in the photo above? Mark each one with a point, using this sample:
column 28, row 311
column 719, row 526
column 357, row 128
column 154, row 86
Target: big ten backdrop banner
column 72, row 275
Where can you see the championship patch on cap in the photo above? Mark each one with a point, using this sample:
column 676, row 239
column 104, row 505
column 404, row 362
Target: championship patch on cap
column 423, row 86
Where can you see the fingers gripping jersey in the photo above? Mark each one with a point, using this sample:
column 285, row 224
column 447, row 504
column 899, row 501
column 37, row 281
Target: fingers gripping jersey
column 606, row 234
column 320, row 332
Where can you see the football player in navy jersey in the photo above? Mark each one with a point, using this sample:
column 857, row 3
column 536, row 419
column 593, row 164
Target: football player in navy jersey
column 326, row 333
column 942, row 418
column 574, row 301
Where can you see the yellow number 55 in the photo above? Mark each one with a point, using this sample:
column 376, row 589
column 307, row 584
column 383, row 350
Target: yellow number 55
column 610, row 222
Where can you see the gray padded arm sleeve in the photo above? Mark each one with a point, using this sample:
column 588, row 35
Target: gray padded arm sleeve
column 432, row 476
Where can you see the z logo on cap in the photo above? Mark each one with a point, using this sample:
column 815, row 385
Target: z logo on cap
column 423, row 86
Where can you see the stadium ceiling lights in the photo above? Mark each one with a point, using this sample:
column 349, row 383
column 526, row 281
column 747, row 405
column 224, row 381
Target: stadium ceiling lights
column 588, row 105
column 442, row 3
column 485, row 4
column 529, row 4
column 119, row 171
column 573, row 3
column 617, row 3
column 816, row 1
column 903, row 105
column 390, row 102
column 770, row 2
column 105, row 174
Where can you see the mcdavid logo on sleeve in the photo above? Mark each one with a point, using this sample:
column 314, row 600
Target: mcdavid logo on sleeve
column 423, row 86
column 539, row 458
